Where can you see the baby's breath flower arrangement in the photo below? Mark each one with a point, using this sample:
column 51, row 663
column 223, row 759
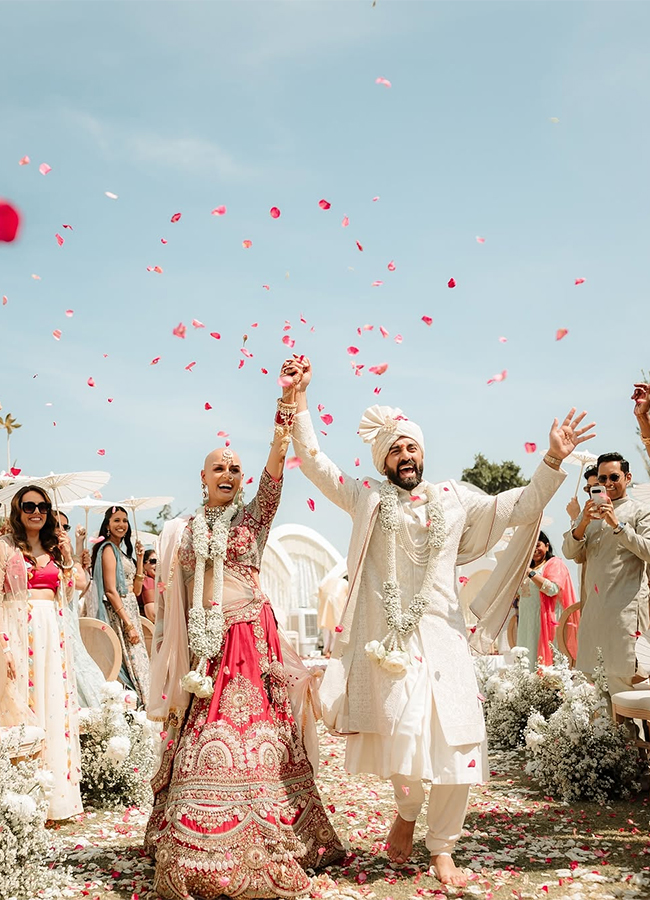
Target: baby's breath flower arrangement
column 118, row 751
column 579, row 752
column 512, row 694
column 24, row 789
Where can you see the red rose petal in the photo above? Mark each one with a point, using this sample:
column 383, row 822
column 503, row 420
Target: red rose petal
column 176, row 217
column 451, row 283
column 9, row 222
column 274, row 212
column 324, row 204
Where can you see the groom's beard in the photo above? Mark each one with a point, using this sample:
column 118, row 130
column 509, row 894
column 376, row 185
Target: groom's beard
column 407, row 482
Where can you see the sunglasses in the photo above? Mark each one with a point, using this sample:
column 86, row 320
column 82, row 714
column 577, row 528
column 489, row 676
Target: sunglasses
column 28, row 506
column 65, row 526
column 152, row 562
column 614, row 477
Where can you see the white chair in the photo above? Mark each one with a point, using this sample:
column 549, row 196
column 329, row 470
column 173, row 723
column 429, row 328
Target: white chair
column 561, row 631
column 102, row 644
column 632, row 705
column 147, row 629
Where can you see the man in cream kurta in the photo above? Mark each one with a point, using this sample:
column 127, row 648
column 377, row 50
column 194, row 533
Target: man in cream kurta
column 612, row 541
column 412, row 710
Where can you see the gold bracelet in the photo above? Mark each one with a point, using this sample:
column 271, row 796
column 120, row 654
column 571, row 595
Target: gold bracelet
column 552, row 462
column 552, row 459
column 646, row 441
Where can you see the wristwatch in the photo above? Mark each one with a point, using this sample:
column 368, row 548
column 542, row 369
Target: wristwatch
column 619, row 528
column 532, row 573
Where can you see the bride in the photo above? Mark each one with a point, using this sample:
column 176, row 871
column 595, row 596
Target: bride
column 236, row 810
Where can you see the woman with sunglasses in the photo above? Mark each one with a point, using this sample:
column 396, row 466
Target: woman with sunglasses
column 36, row 583
column 147, row 597
column 544, row 594
column 118, row 581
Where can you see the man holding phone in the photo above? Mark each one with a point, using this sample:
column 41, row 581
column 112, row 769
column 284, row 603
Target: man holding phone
column 612, row 541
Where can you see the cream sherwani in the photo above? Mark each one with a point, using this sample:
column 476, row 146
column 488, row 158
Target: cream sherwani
column 429, row 723
column 615, row 578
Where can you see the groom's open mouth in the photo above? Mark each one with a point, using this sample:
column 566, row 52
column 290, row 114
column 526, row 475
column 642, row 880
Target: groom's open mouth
column 406, row 469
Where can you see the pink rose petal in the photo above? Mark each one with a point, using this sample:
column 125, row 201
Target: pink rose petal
column 207, row 406
column 190, row 366
column 288, row 341
column 501, row 376
column 311, row 504
column 91, row 382
column 325, row 204
column 155, row 361
column 293, row 462
column 218, row 211
column 357, row 461
column 398, row 338
column 384, row 332
column 530, row 447
column 215, row 335
column 427, row 320
column 101, row 453
column 56, row 334
column 69, row 313
column 383, row 81
column 580, row 280
column 274, row 212
column 352, row 351
column 197, row 324
column 503, row 340
column 378, row 370
column 480, row 240
column 44, row 168
column 59, row 239
column 560, row 333
column 180, row 331
column 376, row 284
column 24, row 161
column 327, row 419
column 176, row 217
column 247, row 244
column 345, row 222
column 391, row 266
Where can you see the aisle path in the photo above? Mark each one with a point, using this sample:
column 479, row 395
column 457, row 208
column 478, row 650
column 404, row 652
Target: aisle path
column 519, row 844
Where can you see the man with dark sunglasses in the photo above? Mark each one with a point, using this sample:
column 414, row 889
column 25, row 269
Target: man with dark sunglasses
column 612, row 541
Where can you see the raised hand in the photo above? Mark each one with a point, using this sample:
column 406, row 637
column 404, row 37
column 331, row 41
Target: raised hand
column 564, row 438
column 306, row 371
column 641, row 397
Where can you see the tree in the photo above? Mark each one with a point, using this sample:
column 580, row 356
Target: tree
column 165, row 514
column 10, row 424
column 494, row 477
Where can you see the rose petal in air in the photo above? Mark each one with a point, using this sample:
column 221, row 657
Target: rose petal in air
column 246, row 353
column 207, row 406
column 311, row 504
column 378, row 370
column 383, row 81
column 56, row 334
column 110, row 195
column 500, row 376
column 247, row 244
column 580, row 280
column 325, row 204
column 359, row 246
column 391, row 266
column 197, row 324
column 218, row 211
column 530, row 447
column 274, row 212
column 155, row 361
column 480, row 240
column 451, row 283
column 9, row 222
column 398, row 338
column 176, row 217
column 180, row 331
column 327, row 419
column 91, row 382
column 215, row 335
column 101, row 453
column 163, row 241
column 384, row 332
column 60, row 240
column 560, row 333
column 376, row 284
column 345, row 222
column 288, row 341
column 44, row 168
column 427, row 320
column 24, row 161
column 503, row 340
column 190, row 366
column 293, row 462
column 352, row 351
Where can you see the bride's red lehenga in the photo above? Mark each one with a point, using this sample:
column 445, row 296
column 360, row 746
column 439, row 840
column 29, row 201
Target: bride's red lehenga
column 236, row 810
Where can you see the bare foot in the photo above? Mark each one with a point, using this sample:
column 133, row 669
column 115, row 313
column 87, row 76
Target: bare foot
column 446, row 870
column 400, row 840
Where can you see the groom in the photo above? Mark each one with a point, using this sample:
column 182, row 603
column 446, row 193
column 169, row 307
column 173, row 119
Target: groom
column 400, row 683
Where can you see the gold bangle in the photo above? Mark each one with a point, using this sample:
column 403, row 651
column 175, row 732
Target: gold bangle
column 646, row 441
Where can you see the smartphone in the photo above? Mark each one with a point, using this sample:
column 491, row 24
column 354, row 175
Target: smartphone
column 598, row 494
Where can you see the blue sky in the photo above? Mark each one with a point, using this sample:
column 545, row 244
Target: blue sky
column 183, row 106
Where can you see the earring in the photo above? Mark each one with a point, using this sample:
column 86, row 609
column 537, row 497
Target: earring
column 204, row 491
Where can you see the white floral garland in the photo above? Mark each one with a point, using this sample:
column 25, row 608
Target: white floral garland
column 205, row 627
column 390, row 652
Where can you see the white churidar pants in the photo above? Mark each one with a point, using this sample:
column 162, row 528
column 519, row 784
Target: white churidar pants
column 445, row 813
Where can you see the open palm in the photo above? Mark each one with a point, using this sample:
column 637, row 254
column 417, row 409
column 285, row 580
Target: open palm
column 565, row 437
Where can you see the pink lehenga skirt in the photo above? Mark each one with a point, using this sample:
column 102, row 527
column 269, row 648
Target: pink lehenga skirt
column 236, row 809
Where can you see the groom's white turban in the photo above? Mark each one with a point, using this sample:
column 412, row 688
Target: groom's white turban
column 381, row 426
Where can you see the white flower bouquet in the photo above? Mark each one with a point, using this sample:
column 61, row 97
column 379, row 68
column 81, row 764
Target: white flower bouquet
column 118, row 751
column 579, row 752
column 511, row 695
column 24, row 789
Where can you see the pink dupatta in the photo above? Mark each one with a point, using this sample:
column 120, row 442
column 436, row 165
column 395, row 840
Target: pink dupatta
column 556, row 571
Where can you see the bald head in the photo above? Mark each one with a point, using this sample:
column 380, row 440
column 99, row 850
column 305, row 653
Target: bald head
column 222, row 455
column 222, row 475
